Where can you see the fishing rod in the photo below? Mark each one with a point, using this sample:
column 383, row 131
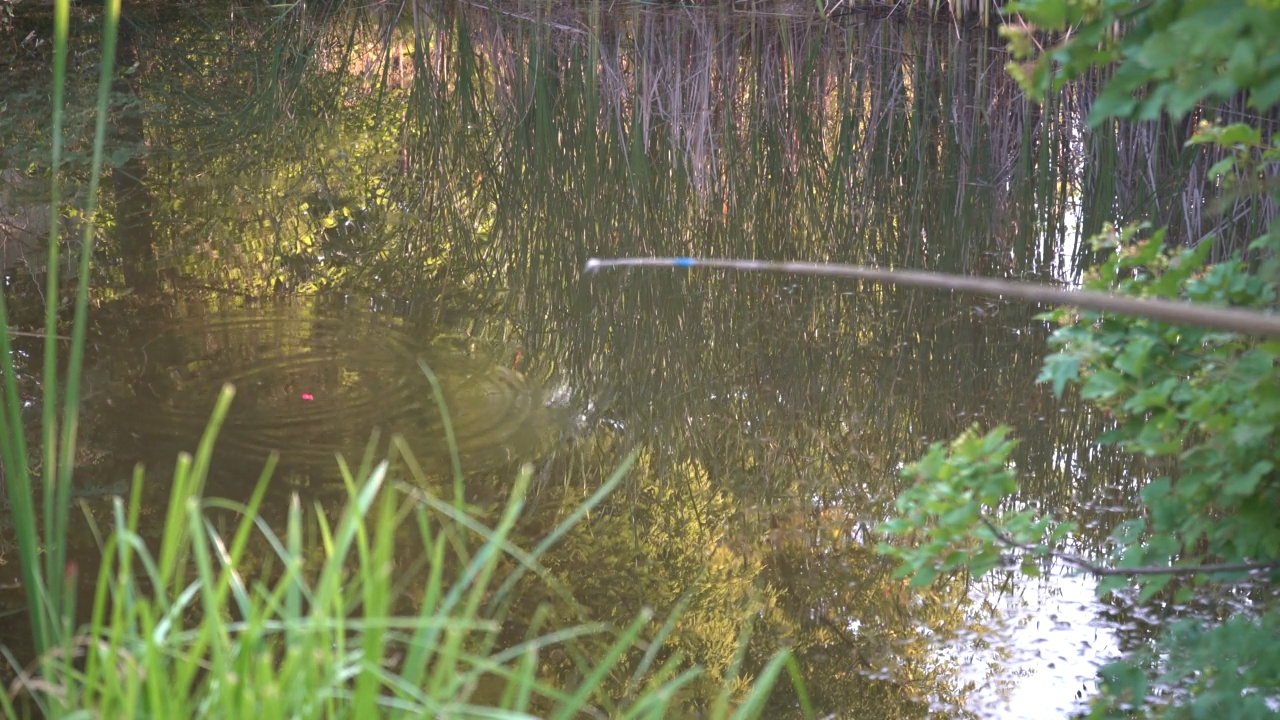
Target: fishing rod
column 1248, row 322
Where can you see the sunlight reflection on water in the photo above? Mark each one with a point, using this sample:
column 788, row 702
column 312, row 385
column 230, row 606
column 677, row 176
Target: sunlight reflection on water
column 1051, row 635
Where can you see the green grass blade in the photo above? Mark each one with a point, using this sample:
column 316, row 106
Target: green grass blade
column 188, row 481
column 71, row 409
column 654, row 704
column 596, row 677
column 655, row 645
column 797, row 682
column 455, row 461
column 230, row 580
column 753, row 704
column 49, row 427
column 574, row 518
column 721, row 706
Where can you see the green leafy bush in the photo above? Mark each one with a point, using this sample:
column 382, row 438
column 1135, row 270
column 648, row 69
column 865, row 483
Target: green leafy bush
column 1202, row 405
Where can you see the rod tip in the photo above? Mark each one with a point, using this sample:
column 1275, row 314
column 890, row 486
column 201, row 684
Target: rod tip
column 593, row 264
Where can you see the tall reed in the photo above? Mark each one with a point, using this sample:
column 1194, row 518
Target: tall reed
column 49, row 585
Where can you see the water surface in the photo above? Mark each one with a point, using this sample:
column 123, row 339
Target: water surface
column 308, row 208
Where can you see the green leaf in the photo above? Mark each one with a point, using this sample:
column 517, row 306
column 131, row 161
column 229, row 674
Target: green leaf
column 1109, row 104
column 1152, row 398
column 1246, row 483
column 1111, row 583
column 1133, row 358
column 962, row 515
column 923, row 576
column 894, row 526
column 1124, row 680
column 1266, row 94
column 1152, row 587
column 1103, row 385
column 1243, row 64
column 1060, row 369
column 1044, row 14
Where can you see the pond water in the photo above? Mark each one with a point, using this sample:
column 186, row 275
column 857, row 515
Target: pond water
column 307, row 206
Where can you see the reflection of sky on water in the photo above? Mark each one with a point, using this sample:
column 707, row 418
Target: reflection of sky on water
column 1045, row 636
column 1065, row 265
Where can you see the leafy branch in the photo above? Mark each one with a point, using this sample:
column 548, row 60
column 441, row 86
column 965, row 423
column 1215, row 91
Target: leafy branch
column 1104, row 570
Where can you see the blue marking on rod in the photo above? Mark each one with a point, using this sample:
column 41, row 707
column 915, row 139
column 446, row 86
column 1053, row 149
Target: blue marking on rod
column 685, row 262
